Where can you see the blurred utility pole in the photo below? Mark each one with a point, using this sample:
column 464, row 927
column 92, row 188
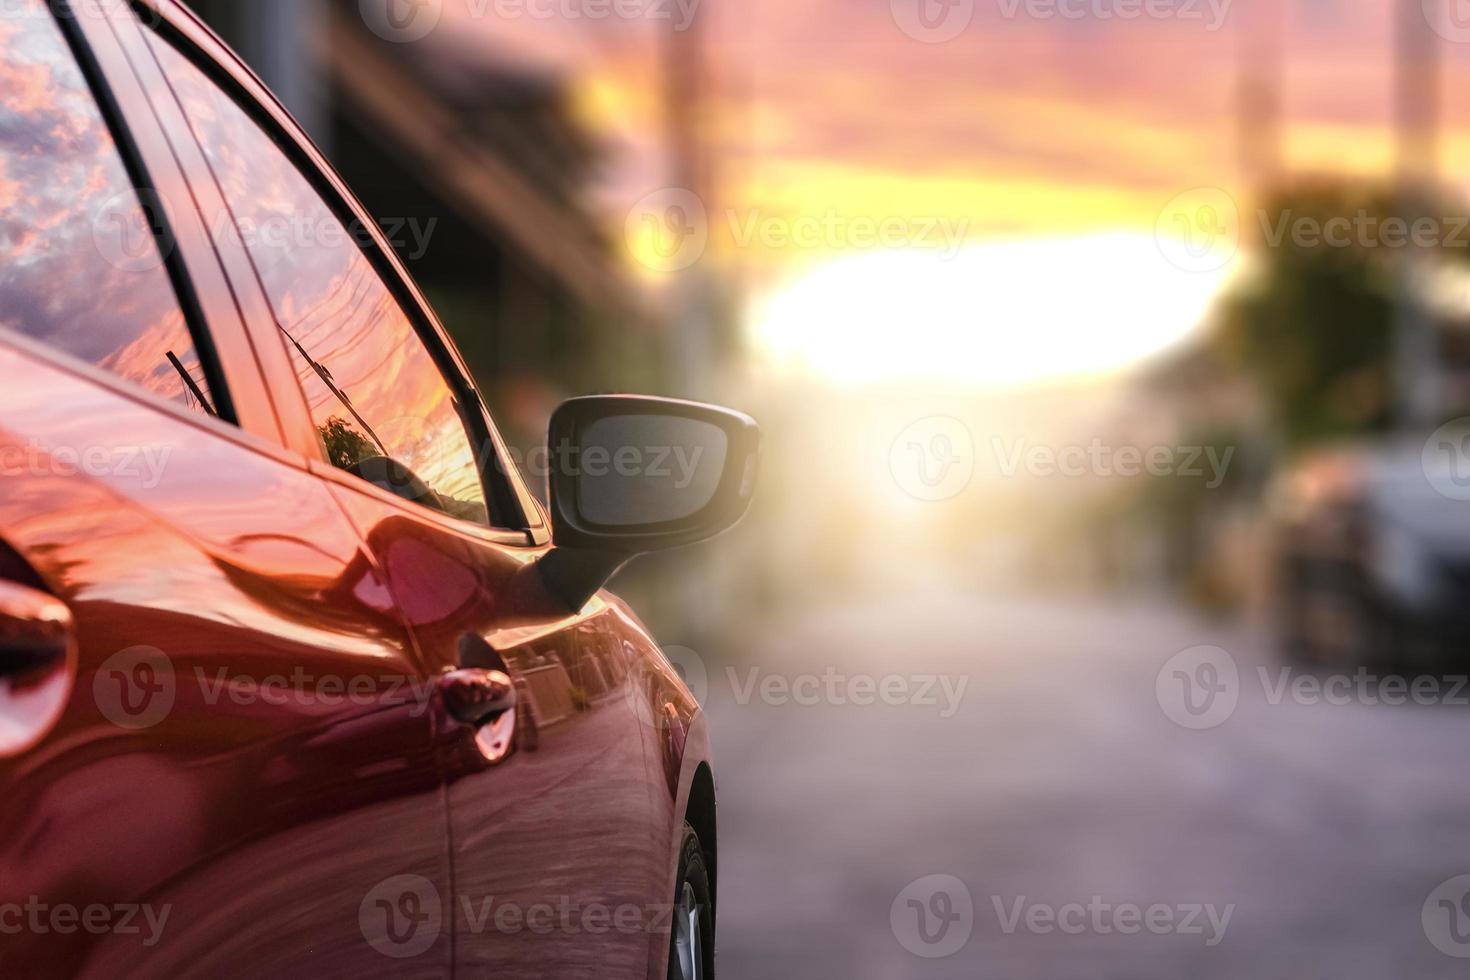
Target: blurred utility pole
column 288, row 60
column 278, row 39
column 686, row 109
column 698, row 313
column 1259, row 94
column 1416, row 111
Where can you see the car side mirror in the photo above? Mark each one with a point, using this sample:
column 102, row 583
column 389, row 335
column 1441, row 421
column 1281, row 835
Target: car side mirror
column 633, row 475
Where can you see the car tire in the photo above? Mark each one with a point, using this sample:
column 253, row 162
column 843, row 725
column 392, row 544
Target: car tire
column 1314, row 594
column 692, row 929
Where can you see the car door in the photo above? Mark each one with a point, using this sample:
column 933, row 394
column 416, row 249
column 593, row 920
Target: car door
column 559, row 821
column 214, row 757
column 555, row 820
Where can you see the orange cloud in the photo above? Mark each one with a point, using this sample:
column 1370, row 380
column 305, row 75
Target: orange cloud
column 24, row 88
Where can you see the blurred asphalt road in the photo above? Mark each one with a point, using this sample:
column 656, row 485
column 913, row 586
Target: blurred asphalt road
column 1061, row 780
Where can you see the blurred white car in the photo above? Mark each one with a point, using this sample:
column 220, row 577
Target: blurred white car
column 1373, row 558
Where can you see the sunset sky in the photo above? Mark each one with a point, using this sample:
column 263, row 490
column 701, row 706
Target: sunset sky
column 1021, row 126
column 1020, row 122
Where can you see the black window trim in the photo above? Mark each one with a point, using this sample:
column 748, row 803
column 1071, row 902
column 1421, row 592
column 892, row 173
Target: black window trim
column 65, row 15
column 495, row 477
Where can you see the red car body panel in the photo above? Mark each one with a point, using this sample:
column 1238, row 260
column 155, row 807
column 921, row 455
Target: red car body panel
column 210, row 762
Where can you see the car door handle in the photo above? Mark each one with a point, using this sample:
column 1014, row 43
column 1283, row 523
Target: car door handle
column 474, row 696
column 36, row 630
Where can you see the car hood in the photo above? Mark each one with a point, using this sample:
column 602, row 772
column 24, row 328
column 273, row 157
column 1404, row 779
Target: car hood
column 1412, row 493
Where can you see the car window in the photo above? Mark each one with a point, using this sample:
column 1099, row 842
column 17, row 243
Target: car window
column 80, row 267
column 380, row 403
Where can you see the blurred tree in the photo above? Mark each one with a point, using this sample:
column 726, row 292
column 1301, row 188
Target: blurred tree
column 1312, row 322
column 345, row 445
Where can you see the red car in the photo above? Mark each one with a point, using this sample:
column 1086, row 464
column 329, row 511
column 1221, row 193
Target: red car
column 296, row 677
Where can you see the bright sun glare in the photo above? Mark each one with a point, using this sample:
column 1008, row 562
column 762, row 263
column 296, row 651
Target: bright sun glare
column 997, row 314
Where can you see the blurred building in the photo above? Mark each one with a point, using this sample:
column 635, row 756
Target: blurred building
column 447, row 135
column 478, row 172
column 1179, row 533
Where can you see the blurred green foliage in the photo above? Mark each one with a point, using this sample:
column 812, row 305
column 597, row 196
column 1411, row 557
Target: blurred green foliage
column 1312, row 319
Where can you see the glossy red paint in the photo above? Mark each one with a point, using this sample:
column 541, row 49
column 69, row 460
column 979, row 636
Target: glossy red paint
column 247, row 742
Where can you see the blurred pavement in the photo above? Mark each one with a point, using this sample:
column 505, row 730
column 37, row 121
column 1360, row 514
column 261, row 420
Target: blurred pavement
column 1060, row 779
